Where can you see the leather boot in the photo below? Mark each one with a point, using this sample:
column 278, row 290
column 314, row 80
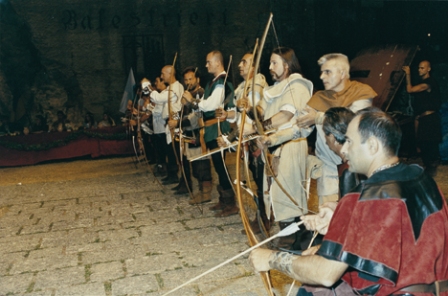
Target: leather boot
column 171, row 178
column 180, row 184
column 198, row 196
column 230, row 208
column 203, row 195
column 207, row 191
column 220, row 205
column 255, row 225
column 160, row 170
column 183, row 189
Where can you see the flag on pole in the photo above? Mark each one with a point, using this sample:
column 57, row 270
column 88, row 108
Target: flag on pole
column 128, row 93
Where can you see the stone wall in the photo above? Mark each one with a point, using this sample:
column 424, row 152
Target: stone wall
column 75, row 55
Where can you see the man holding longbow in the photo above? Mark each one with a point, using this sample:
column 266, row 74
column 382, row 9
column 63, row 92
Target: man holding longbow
column 218, row 93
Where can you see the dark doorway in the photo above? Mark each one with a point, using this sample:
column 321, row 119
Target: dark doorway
column 145, row 54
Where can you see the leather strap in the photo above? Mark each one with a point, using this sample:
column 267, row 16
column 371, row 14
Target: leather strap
column 298, row 140
column 211, row 122
column 201, row 135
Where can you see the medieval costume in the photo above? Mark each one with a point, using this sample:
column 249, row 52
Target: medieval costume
column 190, row 125
column 173, row 93
column 292, row 95
column 355, row 96
column 255, row 160
column 414, row 234
column 217, row 95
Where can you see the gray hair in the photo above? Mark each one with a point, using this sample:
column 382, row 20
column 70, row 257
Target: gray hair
column 341, row 61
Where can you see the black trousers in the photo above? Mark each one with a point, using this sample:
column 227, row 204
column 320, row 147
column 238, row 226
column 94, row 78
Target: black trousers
column 150, row 151
column 202, row 170
column 256, row 166
column 160, row 147
column 219, row 165
column 172, row 157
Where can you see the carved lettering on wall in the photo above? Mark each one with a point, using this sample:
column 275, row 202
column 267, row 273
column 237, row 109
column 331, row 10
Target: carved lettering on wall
column 86, row 23
column 69, row 20
column 78, row 20
column 194, row 18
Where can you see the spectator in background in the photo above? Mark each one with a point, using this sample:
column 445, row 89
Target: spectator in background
column 107, row 121
column 62, row 124
column 9, row 128
column 4, row 125
column 39, row 125
column 89, row 121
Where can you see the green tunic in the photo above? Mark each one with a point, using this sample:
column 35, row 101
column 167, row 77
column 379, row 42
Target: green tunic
column 211, row 132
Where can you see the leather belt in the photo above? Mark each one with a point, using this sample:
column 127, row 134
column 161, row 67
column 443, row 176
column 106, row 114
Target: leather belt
column 435, row 288
column 298, row 140
column 211, row 122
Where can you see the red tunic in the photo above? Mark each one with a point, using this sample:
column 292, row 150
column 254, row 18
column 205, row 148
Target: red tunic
column 392, row 232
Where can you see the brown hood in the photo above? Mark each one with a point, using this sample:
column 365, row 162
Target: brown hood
column 353, row 91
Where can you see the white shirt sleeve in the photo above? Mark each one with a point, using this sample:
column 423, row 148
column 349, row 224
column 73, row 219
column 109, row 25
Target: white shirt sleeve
column 257, row 97
column 360, row 104
column 151, row 107
column 289, row 108
column 176, row 104
column 161, row 97
column 232, row 120
column 214, row 101
column 158, row 109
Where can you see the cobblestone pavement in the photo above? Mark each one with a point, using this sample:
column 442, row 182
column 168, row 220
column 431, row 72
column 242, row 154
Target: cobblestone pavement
column 114, row 232
column 104, row 227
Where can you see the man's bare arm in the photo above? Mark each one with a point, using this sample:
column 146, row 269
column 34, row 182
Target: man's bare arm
column 416, row 88
column 312, row 270
column 277, row 120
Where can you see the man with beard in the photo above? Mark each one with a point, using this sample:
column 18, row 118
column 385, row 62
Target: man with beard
column 287, row 168
column 191, row 127
column 216, row 95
